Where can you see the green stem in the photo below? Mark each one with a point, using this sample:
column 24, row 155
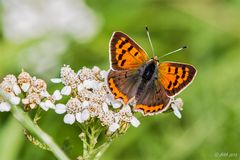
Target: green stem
column 37, row 116
column 101, row 149
column 27, row 123
column 93, row 152
column 85, row 145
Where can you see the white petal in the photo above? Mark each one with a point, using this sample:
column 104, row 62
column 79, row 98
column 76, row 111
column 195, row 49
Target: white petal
column 49, row 104
column 57, row 95
column 69, row 119
column 95, row 85
column 25, row 87
column 103, row 74
column 5, row 107
column 60, row 108
column 135, row 122
column 16, row 89
column 108, row 100
column 80, row 87
column 179, row 103
column 116, row 104
column 87, row 84
column 105, row 107
column 44, row 94
column 85, row 115
column 113, row 127
column 126, row 108
column 79, row 117
column 95, row 69
column 90, row 84
column 85, row 104
column 56, row 80
column 176, row 111
column 43, row 106
column 15, row 100
column 66, row 90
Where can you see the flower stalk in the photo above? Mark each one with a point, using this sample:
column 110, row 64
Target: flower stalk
column 90, row 139
column 23, row 118
column 27, row 123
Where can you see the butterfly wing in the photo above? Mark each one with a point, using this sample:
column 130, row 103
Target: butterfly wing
column 123, row 84
column 125, row 53
column 153, row 99
column 175, row 76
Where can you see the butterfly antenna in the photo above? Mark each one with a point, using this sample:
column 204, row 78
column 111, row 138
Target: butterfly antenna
column 149, row 39
column 184, row 47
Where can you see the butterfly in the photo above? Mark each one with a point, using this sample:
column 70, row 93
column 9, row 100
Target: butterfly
column 150, row 83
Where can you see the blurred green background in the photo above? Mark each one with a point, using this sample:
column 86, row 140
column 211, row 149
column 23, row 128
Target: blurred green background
column 41, row 36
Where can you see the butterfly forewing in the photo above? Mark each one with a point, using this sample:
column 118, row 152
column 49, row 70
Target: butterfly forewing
column 125, row 53
column 175, row 76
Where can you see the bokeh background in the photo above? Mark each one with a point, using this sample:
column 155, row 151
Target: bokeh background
column 42, row 35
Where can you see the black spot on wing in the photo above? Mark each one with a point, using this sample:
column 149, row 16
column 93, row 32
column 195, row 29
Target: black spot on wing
column 176, row 70
column 130, row 48
column 169, row 85
column 135, row 54
column 183, row 74
column 177, row 77
column 123, row 62
column 120, row 56
column 175, row 83
column 121, row 44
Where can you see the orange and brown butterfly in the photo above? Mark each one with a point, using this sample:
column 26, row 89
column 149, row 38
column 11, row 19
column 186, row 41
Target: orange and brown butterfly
column 134, row 76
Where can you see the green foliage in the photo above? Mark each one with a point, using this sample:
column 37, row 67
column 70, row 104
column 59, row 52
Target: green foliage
column 210, row 122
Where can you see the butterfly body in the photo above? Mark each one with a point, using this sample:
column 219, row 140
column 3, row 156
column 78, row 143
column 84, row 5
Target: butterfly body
column 134, row 76
column 147, row 73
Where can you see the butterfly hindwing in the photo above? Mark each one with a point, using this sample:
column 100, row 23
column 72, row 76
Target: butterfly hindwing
column 153, row 100
column 175, row 76
column 125, row 53
column 123, row 84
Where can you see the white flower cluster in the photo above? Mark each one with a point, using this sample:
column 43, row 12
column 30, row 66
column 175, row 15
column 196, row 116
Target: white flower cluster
column 28, row 90
column 10, row 86
column 89, row 98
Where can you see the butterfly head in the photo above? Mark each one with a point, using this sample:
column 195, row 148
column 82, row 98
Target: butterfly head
column 155, row 59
